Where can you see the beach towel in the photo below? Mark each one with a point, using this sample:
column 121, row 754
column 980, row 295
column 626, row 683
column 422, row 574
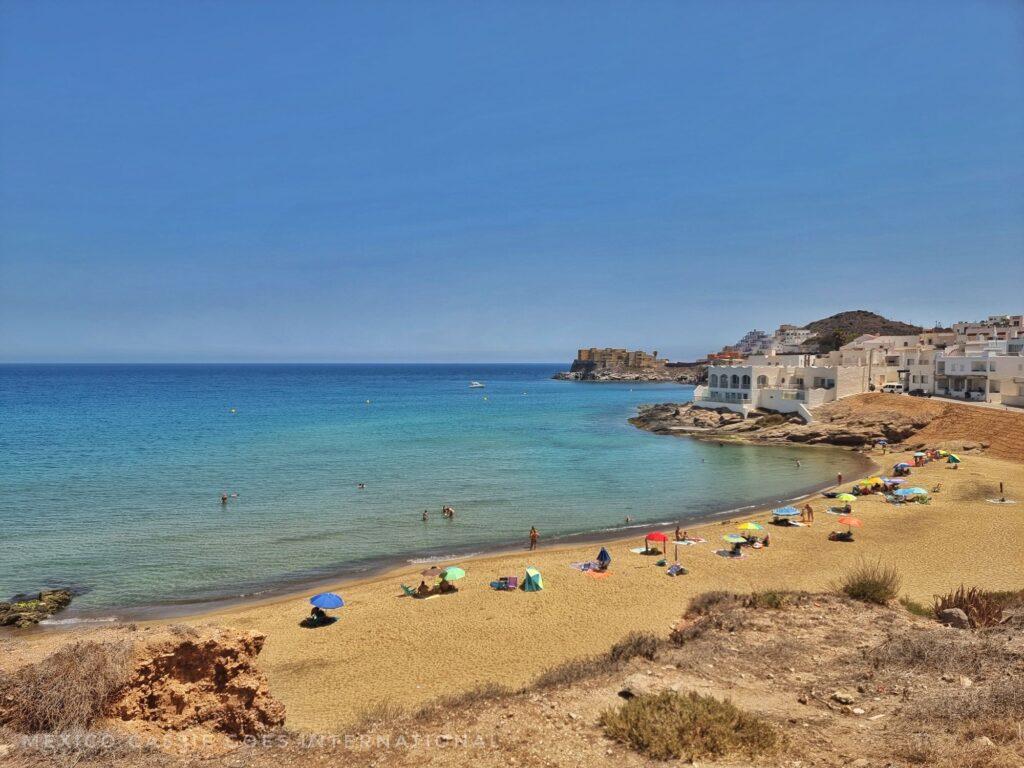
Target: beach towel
column 598, row 574
column 676, row 570
column 590, row 565
column 691, row 541
column 638, row 550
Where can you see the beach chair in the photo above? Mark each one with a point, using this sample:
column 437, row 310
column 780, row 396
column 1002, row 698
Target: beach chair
column 409, row 591
column 513, row 583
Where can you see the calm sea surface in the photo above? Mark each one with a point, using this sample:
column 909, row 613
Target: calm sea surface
column 111, row 476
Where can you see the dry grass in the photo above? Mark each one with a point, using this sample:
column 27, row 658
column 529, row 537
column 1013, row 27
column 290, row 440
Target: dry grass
column 635, row 644
column 935, row 651
column 464, row 702
column 872, row 582
column 671, row 725
column 67, row 690
column 983, row 609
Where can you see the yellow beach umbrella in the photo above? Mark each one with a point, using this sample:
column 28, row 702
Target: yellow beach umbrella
column 846, row 497
column 751, row 527
column 872, row 481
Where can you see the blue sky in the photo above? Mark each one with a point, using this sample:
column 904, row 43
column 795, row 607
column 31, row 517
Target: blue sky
column 498, row 181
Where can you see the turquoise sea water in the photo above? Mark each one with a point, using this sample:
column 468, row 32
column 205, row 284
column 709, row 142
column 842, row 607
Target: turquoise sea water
column 111, row 476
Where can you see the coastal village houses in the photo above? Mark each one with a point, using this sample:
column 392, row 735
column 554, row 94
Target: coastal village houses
column 981, row 361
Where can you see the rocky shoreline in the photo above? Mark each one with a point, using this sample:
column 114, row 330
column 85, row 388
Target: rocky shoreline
column 23, row 611
column 679, row 375
column 835, row 425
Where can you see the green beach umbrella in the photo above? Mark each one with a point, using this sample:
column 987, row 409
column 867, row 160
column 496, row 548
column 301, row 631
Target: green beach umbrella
column 846, row 497
column 452, row 573
column 751, row 527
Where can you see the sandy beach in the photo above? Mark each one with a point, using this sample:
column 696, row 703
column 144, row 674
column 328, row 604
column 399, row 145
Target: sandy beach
column 386, row 647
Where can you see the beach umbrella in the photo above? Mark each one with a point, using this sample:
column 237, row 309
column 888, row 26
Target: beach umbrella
column 943, row 453
column 910, row 491
column 845, row 497
column 451, row 573
column 871, row 481
column 920, row 453
column 734, row 538
column 953, row 459
column 751, row 527
column 852, row 522
column 894, row 480
column 881, row 441
column 786, row 512
column 432, row 573
column 603, row 557
column 327, row 600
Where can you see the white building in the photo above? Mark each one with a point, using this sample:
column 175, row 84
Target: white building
column 990, row 371
column 777, row 386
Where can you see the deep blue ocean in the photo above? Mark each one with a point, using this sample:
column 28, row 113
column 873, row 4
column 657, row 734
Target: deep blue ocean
column 111, row 475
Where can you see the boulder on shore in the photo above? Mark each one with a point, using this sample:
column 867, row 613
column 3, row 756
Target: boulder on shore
column 24, row 611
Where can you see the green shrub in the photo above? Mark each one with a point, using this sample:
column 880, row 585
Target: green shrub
column 691, row 726
column 872, row 583
column 916, row 608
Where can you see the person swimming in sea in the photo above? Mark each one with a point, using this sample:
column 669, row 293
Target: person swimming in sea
column 426, row 516
column 223, row 498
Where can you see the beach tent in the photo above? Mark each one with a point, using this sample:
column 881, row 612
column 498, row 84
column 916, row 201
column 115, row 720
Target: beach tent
column 656, row 536
column 603, row 558
column 953, row 459
column 533, row 581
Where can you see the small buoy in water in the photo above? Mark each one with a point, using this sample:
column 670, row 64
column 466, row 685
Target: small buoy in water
column 367, row 402
column 234, row 410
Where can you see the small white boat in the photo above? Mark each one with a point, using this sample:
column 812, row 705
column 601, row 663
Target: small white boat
column 476, row 385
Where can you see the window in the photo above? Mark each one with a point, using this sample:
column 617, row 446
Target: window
column 746, row 382
column 735, row 381
column 762, row 381
column 714, row 379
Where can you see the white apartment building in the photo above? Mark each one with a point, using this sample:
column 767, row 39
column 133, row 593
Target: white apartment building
column 989, row 371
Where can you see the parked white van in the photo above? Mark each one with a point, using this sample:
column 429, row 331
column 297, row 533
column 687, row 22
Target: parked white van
column 892, row 388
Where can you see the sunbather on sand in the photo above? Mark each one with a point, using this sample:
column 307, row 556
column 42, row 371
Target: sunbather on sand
column 423, row 590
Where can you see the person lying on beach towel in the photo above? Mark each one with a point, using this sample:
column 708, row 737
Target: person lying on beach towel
column 841, row 536
column 676, row 570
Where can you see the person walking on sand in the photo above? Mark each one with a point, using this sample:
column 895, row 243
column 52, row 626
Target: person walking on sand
column 534, row 536
column 808, row 514
column 839, row 479
column 679, row 534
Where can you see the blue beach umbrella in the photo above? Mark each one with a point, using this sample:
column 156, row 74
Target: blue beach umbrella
column 326, row 600
column 786, row 512
column 910, row 492
column 603, row 557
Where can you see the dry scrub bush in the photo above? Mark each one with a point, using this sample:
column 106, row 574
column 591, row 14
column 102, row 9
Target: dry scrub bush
column 691, row 726
column 67, row 690
column 983, row 609
column 872, row 583
column 643, row 644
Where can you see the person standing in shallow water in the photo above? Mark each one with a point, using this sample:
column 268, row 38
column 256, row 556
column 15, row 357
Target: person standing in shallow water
column 534, row 536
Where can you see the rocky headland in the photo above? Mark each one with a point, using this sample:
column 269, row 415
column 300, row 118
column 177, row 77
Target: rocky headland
column 856, row 422
column 681, row 374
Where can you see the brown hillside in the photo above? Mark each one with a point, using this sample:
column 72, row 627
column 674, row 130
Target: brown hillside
column 1002, row 430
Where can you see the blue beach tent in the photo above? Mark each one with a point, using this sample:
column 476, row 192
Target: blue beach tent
column 533, row 581
column 604, row 558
